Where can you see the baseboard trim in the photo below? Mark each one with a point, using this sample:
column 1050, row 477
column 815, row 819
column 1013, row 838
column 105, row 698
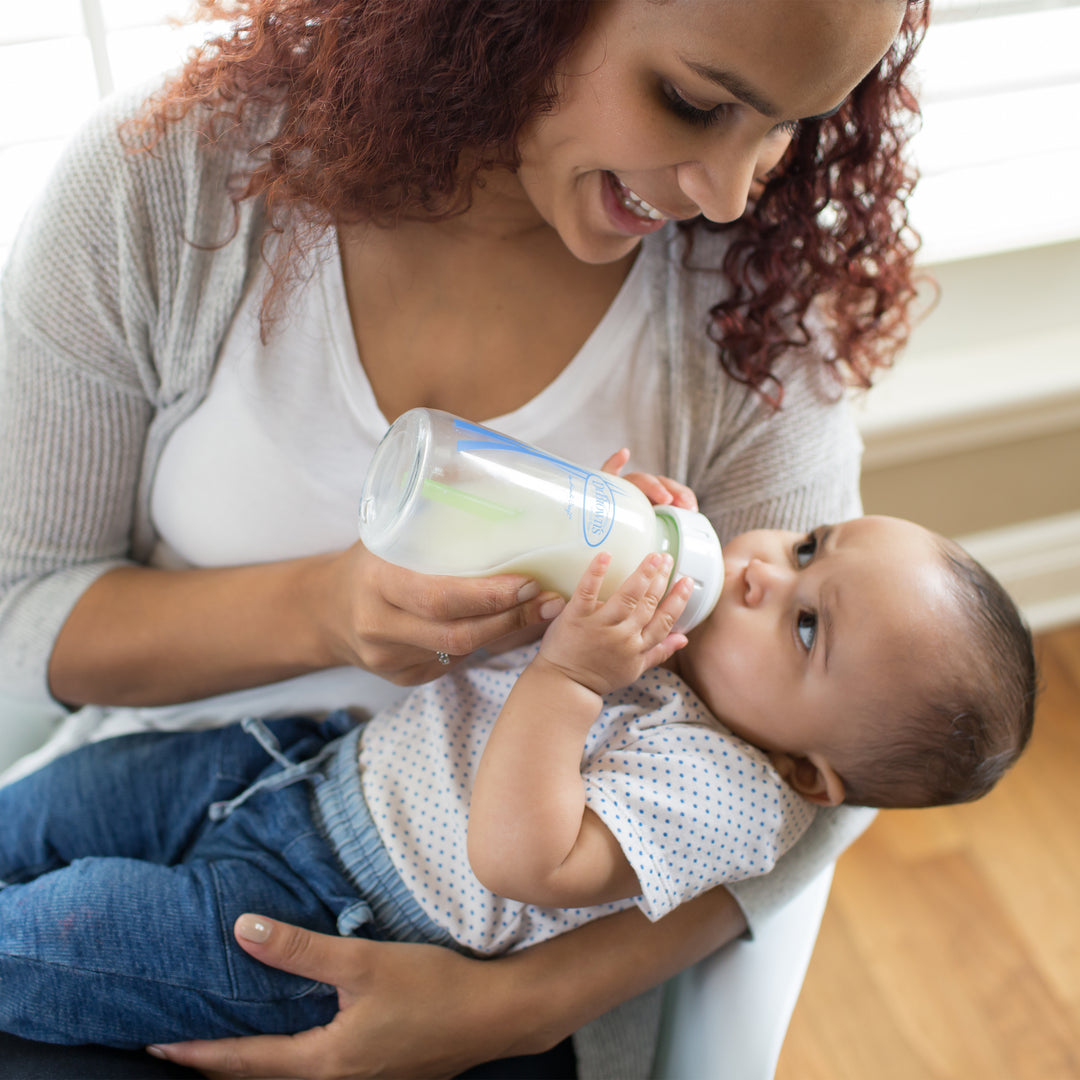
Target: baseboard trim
column 1039, row 563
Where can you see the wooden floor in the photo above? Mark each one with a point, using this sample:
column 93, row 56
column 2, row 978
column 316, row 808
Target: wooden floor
column 950, row 948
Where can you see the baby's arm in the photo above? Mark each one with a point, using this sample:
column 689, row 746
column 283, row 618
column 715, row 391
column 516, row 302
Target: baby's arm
column 531, row 836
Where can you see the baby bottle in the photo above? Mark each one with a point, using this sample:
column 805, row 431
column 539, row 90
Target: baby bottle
column 446, row 496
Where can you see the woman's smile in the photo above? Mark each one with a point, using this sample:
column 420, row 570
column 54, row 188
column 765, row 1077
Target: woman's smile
column 628, row 211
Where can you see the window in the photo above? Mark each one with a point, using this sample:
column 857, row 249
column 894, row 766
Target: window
column 58, row 58
column 1000, row 145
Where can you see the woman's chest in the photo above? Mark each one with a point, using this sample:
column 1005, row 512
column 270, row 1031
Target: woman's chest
column 476, row 332
column 271, row 464
column 477, row 364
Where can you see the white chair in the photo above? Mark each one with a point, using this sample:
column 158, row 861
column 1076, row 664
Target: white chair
column 726, row 1017
column 24, row 726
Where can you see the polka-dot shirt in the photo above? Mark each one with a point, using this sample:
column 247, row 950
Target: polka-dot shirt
column 691, row 805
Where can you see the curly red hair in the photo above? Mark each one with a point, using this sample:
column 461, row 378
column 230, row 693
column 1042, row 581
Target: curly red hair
column 379, row 103
column 838, row 201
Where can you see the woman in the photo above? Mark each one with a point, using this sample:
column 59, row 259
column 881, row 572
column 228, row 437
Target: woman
column 531, row 214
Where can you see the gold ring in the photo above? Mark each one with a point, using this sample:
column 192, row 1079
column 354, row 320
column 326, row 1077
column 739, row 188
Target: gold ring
column 443, row 658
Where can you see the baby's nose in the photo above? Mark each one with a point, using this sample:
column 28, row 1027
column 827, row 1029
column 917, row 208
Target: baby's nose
column 763, row 579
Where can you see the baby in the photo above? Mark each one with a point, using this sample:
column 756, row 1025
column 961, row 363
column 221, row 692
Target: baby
column 616, row 763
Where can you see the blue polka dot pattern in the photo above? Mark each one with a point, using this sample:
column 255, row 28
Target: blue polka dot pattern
column 691, row 805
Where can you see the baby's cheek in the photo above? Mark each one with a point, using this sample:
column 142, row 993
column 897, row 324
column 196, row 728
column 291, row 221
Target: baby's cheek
column 733, row 680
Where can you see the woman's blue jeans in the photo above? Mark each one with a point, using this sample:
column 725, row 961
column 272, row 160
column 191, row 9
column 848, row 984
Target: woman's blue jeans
column 118, row 893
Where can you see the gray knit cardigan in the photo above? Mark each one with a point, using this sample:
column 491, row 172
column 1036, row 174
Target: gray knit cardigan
column 114, row 305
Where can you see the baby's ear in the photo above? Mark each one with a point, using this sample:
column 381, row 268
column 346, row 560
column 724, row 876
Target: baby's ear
column 811, row 776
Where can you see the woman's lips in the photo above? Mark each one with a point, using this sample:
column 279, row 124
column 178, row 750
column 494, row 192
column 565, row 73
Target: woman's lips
column 631, row 213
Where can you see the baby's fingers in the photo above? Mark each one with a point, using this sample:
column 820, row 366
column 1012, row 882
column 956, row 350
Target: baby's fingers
column 658, row 637
column 616, row 462
column 662, row 651
column 668, row 611
column 636, row 600
column 654, row 592
column 587, row 591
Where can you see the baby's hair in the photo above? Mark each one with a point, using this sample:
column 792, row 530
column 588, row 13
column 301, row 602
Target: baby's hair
column 956, row 741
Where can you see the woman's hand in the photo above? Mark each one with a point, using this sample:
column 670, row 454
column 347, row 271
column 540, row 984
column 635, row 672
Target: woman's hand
column 406, row 1011
column 420, row 1012
column 661, row 490
column 140, row 636
column 394, row 621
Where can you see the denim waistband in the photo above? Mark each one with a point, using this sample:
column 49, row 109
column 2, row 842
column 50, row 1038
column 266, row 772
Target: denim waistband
column 342, row 813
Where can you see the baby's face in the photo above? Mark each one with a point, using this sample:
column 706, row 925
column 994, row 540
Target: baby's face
column 812, row 628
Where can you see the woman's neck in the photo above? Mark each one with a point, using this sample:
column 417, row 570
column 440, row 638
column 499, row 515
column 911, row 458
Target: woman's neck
column 476, row 313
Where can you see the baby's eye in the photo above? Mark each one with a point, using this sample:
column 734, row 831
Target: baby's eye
column 806, row 628
column 805, row 550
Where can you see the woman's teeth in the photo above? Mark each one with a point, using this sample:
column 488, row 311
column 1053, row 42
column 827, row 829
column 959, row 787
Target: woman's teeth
column 636, row 204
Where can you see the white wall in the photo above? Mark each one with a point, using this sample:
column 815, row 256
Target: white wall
column 976, row 432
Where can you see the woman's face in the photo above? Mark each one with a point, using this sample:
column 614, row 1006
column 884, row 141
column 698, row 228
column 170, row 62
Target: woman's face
column 671, row 110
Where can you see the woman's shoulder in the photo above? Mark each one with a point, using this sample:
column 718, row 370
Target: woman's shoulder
column 122, row 169
column 686, row 269
column 99, row 154
column 122, row 240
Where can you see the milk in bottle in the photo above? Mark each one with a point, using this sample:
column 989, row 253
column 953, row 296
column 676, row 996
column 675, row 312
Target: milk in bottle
column 447, row 496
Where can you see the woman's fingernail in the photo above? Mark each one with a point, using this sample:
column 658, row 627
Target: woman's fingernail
column 550, row 608
column 252, row 928
column 528, row 591
column 157, row 1052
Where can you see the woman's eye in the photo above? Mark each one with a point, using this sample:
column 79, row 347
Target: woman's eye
column 788, row 127
column 805, row 550
column 691, row 113
column 806, row 628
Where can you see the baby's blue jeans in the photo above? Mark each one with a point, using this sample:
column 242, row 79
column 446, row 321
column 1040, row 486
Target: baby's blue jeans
column 124, row 865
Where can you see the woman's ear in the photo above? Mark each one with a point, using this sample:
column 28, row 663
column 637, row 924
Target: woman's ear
column 811, row 776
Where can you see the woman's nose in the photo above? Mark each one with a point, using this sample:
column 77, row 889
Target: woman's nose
column 764, row 580
column 720, row 185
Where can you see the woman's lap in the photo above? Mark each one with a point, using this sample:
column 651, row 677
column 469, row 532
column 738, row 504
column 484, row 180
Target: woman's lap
column 25, row 1060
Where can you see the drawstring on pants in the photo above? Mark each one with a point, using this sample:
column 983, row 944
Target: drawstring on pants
column 292, row 772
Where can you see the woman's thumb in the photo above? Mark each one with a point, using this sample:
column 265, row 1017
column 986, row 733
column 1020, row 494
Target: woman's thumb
column 293, row 949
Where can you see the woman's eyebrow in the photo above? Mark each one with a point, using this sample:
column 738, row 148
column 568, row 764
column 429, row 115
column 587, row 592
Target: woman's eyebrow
column 735, row 85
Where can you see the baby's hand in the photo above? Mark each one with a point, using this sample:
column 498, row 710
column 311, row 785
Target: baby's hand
column 603, row 646
column 661, row 490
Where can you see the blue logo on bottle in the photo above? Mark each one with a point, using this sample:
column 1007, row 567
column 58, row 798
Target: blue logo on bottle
column 597, row 510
